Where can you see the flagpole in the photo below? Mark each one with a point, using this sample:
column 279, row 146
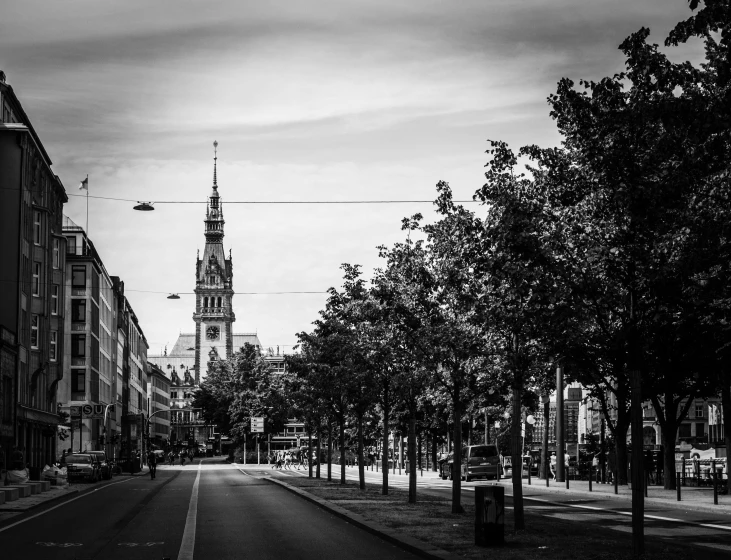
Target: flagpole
column 87, row 205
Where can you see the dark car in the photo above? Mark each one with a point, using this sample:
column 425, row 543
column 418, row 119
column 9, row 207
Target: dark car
column 82, row 466
column 477, row 461
column 105, row 468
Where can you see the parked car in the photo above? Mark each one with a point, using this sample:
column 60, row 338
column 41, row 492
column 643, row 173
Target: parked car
column 82, row 466
column 105, row 468
column 477, row 461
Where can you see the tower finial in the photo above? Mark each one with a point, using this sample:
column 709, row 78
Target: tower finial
column 215, row 157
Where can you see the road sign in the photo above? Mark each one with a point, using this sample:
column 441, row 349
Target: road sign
column 90, row 411
column 257, row 424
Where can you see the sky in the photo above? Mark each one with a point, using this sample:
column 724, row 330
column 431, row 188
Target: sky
column 309, row 101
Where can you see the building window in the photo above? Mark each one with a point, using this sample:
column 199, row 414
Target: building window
column 52, row 346
column 219, row 302
column 54, row 299
column 78, row 310
column 34, row 331
column 78, row 277
column 37, row 228
column 700, row 430
column 71, row 245
column 7, row 399
column 56, row 252
column 78, row 382
column 36, row 278
column 174, row 395
column 699, row 410
column 205, row 302
column 78, row 345
column 684, row 431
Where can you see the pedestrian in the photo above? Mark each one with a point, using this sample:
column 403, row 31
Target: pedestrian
column 170, row 458
column 554, row 461
column 182, row 459
column 152, row 463
column 595, row 466
column 63, row 459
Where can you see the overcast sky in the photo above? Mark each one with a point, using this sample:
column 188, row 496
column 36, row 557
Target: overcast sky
column 308, row 100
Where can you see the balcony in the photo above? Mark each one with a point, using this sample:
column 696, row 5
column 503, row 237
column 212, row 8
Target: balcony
column 78, row 326
column 212, row 310
column 78, row 362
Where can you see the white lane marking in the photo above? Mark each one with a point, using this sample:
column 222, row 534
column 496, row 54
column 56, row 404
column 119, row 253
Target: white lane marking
column 187, row 545
column 59, row 505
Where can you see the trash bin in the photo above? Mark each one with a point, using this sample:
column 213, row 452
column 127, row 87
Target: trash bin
column 489, row 515
column 34, row 473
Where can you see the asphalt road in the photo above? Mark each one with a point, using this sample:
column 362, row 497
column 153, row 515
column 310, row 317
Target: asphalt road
column 213, row 510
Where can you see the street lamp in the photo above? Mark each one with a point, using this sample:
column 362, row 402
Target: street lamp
column 173, row 296
column 144, row 206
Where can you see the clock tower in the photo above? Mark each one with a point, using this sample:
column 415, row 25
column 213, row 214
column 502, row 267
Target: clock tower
column 213, row 289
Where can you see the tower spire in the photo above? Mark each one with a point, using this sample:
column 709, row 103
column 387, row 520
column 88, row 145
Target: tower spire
column 215, row 158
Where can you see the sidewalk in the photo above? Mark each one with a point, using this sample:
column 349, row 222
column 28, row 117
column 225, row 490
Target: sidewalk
column 9, row 510
column 693, row 498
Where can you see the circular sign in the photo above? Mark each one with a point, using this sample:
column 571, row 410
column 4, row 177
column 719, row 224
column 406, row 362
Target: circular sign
column 87, row 409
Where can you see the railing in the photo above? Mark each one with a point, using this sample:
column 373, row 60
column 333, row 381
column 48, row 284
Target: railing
column 212, row 310
column 78, row 361
column 78, row 326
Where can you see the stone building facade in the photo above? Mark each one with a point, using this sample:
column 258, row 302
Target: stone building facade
column 32, row 284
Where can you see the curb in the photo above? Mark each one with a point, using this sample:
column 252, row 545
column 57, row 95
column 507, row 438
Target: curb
column 55, row 499
column 409, row 544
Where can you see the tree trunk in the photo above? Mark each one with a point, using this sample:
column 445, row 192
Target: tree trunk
column 434, row 451
column 309, row 451
column 329, row 451
column 419, row 444
column 361, row 466
column 319, row 439
column 412, row 458
column 516, row 452
column 621, row 458
column 384, row 454
column 342, row 448
column 457, row 455
column 544, row 444
column 726, row 408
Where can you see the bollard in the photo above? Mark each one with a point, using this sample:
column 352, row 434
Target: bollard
column 682, row 469
column 677, row 484
column 567, row 478
column 647, row 482
column 528, row 474
column 591, row 475
column 715, row 486
column 616, row 481
column 489, row 515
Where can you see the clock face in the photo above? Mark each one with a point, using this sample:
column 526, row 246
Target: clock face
column 212, row 333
